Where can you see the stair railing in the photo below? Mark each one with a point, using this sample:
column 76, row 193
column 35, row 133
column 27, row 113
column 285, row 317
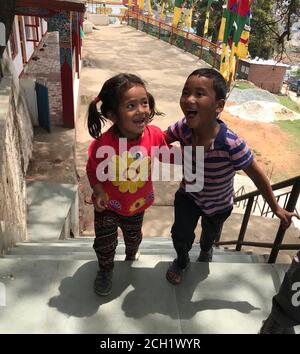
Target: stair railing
column 290, row 205
column 239, row 192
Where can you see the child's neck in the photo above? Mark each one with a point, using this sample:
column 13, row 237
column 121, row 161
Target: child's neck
column 119, row 133
column 205, row 136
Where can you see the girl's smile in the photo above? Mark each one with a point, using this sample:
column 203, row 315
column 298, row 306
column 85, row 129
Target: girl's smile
column 133, row 114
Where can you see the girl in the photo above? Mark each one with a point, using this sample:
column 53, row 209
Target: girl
column 118, row 168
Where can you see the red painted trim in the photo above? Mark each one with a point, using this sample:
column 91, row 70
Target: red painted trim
column 21, row 73
column 67, row 95
column 57, row 5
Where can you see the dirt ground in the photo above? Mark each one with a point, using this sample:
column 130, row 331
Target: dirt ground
column 273, row 148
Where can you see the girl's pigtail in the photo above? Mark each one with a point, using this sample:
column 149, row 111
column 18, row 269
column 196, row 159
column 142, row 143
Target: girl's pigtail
column 95, row 119
column 153, row 110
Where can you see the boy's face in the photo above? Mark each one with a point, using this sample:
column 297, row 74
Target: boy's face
column 198, row 102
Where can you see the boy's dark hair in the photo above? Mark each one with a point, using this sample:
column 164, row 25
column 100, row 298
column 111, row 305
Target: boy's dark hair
column 219, row 83
column 110, row 97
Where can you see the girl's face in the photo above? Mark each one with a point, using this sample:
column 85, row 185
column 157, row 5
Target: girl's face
column 134, row 112
column 198, row 102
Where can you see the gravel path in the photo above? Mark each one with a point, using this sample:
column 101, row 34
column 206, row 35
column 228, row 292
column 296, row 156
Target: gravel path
column 241, row 96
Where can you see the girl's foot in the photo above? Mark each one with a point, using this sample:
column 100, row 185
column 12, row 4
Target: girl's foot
column 103, row 283
column 134, row 257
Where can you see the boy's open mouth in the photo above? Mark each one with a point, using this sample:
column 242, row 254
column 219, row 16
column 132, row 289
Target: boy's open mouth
column 191, row 113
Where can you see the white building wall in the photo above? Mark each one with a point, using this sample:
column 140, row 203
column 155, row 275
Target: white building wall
column 17, row 61
column 76, row 82
column 29, row 46
column 45, row 26
column 40, row 30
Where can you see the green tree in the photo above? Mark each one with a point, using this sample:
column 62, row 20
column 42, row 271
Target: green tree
column 261, row 43
column 271, row 26
column 215, row 17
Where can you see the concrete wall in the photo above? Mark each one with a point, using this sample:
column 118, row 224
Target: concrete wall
column 98, row 20
column 28, row 86
column 16, row 135
column 268, row 77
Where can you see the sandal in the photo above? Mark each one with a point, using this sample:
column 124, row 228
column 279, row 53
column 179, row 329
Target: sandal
column 174, row 273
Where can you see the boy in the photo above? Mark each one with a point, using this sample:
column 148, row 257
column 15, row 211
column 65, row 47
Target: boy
column 202, row 100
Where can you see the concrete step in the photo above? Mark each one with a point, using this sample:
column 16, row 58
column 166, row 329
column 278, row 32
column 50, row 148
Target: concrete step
column 54, row 296
column 158, row 220
column 223, row 258
column 83, row 249
column 52, row 210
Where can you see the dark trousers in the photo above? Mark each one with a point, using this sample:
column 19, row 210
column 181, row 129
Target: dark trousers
column 286, row 304
column 187, row 214
column 106, row 231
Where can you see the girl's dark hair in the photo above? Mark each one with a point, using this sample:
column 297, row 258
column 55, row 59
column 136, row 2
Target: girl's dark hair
column 219, row 83
column 110, row 97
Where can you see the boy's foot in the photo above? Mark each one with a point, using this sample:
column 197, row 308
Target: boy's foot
column 174, row 273
column 134, row 257
column 271, row 326
column 205, row 256
column 103, row 283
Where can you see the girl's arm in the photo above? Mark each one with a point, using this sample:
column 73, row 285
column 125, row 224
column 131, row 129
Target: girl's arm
column 99, row 196
column 263, row 185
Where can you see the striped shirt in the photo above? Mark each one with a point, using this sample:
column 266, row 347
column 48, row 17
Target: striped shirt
column 227, row 154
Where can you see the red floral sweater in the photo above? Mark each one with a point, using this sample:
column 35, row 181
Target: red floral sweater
column 124, row 169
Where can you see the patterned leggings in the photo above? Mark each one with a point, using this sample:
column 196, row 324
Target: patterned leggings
column 106, row 231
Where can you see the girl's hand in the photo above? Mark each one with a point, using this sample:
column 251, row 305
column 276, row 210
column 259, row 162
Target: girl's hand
column 285, row 217
column 99, row 198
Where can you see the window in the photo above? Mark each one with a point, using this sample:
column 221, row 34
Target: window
column 245, row 69
column 31, row 28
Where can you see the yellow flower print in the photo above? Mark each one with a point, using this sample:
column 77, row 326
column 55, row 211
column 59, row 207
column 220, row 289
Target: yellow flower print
column 137, row 205
column 127, row 173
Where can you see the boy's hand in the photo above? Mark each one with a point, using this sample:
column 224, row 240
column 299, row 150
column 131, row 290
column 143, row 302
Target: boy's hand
column 99, row 198
column 285, row 216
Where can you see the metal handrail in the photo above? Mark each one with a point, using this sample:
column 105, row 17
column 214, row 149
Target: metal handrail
column 211, row 48
column 275, row 186
column 290, row 206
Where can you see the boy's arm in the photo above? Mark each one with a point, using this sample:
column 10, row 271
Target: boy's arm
column 168, row 138
column 174, row 155
column 263, row 185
